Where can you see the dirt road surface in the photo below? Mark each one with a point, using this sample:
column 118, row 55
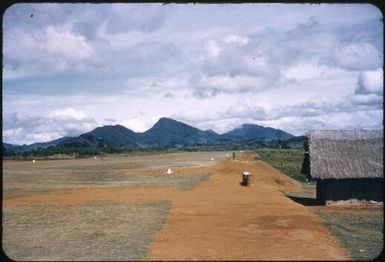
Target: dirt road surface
column 220, row 219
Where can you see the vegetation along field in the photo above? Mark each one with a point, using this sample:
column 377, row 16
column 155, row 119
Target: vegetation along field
column 288, row 161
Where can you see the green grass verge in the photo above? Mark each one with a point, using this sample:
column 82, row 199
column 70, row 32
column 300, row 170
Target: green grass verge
column 359, row 231
column 98, row 231
column 288, row 161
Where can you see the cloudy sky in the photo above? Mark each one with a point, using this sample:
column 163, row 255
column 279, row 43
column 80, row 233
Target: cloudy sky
column 68, row 68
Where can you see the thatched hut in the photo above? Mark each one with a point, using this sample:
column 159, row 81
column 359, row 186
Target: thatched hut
column 347, row 165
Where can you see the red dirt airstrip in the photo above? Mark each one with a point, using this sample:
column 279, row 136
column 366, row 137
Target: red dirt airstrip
column 221, row 220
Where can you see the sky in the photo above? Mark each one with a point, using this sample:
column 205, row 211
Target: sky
column 69, row 68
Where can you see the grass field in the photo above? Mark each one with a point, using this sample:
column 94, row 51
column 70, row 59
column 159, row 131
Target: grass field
column 47, row 182
column 360, row 230
column 98, row 230
column 22, row 178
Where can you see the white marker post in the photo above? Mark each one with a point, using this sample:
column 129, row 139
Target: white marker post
column 169, row 171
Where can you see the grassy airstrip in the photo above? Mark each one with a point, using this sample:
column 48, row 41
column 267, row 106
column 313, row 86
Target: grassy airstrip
column 22, row 178
column 116, row 230
column 108, row 230
column 95, row 231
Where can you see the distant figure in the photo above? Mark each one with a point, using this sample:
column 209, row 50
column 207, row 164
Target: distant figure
column 169, row 171
column 233, row 155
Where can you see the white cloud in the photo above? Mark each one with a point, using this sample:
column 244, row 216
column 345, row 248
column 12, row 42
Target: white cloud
column 234, row 64
column 145, row 17
column 236, row 59
column 211, row 47
column 68, row 113
column 136, row 124
column 370, row 82
column 371, row 119
column 206, row 86
column 307, row 70
column 120, row 41
column 65, row 43
column 21, row 129
column 168, row 95
column 244, row 110
column 109, row 121
column 223, row 125
column 235, row 40
column 368, row 99
column 54, row 48
column 357, row 56
column 291, row 66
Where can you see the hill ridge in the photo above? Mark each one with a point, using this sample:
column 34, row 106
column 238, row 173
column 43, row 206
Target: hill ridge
column 165, row 133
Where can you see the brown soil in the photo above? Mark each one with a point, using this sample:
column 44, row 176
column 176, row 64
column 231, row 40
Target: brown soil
column 220, row 219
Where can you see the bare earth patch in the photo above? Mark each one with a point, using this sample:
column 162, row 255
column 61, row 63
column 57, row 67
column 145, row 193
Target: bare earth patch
column 221, row 220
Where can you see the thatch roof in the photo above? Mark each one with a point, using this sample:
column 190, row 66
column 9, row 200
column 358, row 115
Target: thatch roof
column 346, row 134
column 343, row 154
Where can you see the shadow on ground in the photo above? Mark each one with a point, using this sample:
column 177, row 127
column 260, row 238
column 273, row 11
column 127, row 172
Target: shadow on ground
column 305, row 201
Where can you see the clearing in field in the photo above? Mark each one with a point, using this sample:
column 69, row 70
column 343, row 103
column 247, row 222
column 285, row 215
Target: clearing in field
column 125, row 208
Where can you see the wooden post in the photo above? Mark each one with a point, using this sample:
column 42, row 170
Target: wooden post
column 245, row 178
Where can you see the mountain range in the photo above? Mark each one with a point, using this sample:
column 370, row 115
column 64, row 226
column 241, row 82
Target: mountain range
column 166, row 133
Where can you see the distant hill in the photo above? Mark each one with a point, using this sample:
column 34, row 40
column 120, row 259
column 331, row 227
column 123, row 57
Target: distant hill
column 24, row 148
column 9, row 148
column 249, row 131
column 296, row 142
column 166, row 133
column 171, row 133
column 112, row 136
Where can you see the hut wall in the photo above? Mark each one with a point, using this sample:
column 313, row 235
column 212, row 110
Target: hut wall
column 350, row 191
column 321, row 191
column 375, row 188
column 338, row 190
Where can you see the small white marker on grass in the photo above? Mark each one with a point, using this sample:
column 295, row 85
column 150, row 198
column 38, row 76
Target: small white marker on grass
column 169, row 172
